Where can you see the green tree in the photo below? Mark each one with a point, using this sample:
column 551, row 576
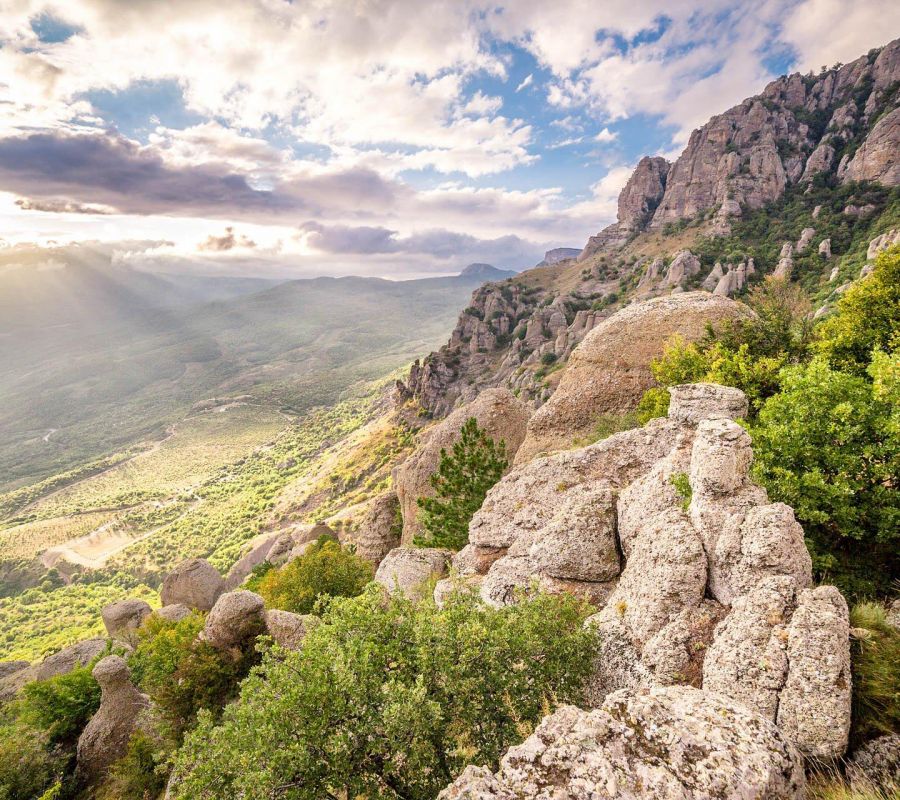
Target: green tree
column 868, row 317
column 460, row 484
column 827, row 445
column 391, row 699
column 61, row 705
column 324, row 570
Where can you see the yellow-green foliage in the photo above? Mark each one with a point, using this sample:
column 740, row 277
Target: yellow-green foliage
column 876, row 673
column 324, row 570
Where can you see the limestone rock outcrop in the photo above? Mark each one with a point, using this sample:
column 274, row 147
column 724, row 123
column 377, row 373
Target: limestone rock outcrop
column 125, row 616
column 610, row 370
column 235, row 619
column 674, row 742
column 498, row 413
column 174, row 612
column 377, row 531
column 289, row 629
column 105, row 738
column 195, row 583
column 683, row 267
column 406, row 569
column 67, row 659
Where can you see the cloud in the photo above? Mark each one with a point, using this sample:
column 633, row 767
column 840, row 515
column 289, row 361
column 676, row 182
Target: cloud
column 606, row 135
column 62, row 207
column 529, row 79
column 227, row 241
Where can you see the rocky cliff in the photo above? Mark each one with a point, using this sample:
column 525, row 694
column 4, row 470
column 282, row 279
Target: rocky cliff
column 804, row 136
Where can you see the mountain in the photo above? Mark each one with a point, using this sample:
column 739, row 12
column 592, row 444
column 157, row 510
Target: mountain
column 559, row 254
column 485, row 272
column 800, row 180
column 96, row 356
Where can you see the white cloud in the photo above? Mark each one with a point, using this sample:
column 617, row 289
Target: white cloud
column 606, row 135
column 529, row 79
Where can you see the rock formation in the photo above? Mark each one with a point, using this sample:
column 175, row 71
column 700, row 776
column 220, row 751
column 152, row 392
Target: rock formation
column 195, row 583
column 105, row 738
column 875, row 767
column 406, row 569
column 377, row 531
column 235, row 619
column 289, row 629
column 125, row 616
column 610, row 370
column 700, row 579
column 674, row 742
column 498, row 413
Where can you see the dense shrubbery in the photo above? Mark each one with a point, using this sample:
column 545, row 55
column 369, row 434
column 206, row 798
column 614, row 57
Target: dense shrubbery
column 324, row 570
column 183, row 674
column 61, row 706
column 390, row 700
column 460, row 484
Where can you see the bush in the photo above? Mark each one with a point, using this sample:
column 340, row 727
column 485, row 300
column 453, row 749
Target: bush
column 460, row 484
column 548, row 358
column 27, row 766
column 828, row 446
column 324, row 570
column 138, row 775
column 390, row 699
column 654, row 403
column 868, row 318
column 61, row 706
column 183, row 674
column 876, row 674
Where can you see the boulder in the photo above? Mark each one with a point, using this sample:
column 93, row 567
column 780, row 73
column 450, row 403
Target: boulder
column 257, row 553
column 498, row 412
column 692, row 403
column 806, row 236
column 893, row 613
column 882, row 243
column 683, row 267
column 464, row 584
column 289, row 629
column 609, row 371
column 814, row 705
column 125, row 616
column 378, row 530
column 711, row 281
column 235, row 619
column 67, row 659
column 748, row 658
column 761, row 542
column 877, row 158
column 674, row 742
column 105, row 738
column 407, row 569
column 617, row 663
column 8, row 668
column 174, row 612
column 875, row 767
column 195, row 583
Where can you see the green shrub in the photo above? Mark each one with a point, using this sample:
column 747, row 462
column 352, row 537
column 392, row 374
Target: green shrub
column 324, row 570
column 61, row 706
column 183, row 674
column 876, row 674
column 828, row 446
column 654, row 403
column 868, row 318
column 391, row 699
column 138, row 775
column 27, row 765
column 460, row 484
column 682, row 485
column 548, row 358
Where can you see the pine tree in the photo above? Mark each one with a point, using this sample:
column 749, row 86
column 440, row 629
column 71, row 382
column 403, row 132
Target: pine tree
column 460, row 484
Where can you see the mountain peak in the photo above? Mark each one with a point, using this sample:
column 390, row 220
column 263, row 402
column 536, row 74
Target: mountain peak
column 487, row 272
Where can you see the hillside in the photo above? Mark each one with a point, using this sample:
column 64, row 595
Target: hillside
column 98, row 357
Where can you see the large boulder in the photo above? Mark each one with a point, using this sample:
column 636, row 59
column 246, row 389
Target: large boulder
column 875, row 767
column 105, row 738
column 236, row 619
column 195, row 583
column 377, row 531
column 289, row 629
column 8, row 668
column 610, row 370
column 125, row 616
column 67, row 659
column 499, row 414
column 407, row 569
column 256, row 554
column 174, row 612
column 676, row 743
column 814, row 705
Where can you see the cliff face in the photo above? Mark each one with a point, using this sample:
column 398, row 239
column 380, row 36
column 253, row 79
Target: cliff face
column 844, row 121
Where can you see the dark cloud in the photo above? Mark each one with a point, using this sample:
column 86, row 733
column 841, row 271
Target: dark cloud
column 112, row 170
column 61, row 206
column 228, row 241
column 510, row 251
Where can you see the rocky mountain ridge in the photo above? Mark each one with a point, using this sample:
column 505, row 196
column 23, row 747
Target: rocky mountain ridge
column 831, row 132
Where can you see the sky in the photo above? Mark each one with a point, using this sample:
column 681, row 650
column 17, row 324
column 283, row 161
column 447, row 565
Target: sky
column 398, row 138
